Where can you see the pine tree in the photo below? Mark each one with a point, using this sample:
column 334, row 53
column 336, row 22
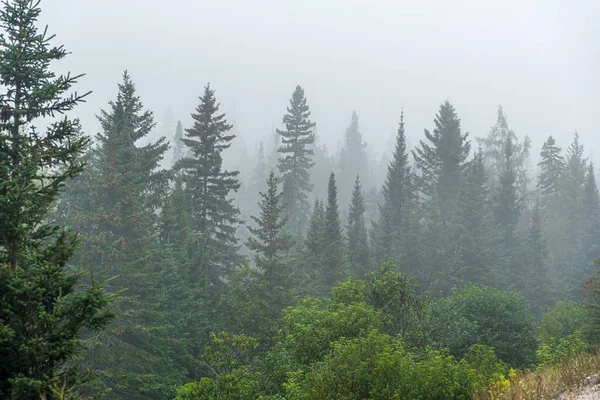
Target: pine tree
column 397, row 195
column 178, row 143
column 552, row 166
column 214, row 217
column 268, row 239
column 353, row 158
column 507, row 207
column 493, row 151
column 473, row 232
column 43, row 308
column 442, row 160
column 120, row 239
column 358, row 252
column 296, row 160
column 333, row 240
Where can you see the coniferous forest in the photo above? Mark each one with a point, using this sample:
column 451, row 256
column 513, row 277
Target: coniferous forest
column 140, row 268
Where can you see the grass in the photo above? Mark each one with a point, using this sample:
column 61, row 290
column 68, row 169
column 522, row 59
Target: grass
column 550, row 382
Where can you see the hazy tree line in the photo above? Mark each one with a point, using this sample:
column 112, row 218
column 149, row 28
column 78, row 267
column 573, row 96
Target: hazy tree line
column 176, row 255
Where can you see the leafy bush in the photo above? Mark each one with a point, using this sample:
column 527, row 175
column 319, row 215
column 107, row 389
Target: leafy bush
column 555, row 352
column 378, row 367
column 565, row 319
column 488, row 316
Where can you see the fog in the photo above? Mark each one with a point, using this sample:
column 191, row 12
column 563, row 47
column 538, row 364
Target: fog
column 536, row 58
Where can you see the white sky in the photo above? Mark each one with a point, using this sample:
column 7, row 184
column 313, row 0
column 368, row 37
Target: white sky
column 539, row 58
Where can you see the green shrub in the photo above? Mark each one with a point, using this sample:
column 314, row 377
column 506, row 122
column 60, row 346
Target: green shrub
column 554, row 352
column 485, row 315
column 378, row 367
column 563, row 320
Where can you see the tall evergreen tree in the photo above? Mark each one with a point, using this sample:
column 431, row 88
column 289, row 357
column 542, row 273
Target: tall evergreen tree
column 535, row 285
column 397, row 194
column 268, row 239
column 43, row 308
column 493, row 151
column 333, row 239
column 296, row 160
column 592, row 215
column 358, row 252
column 442, row 160
column 353, row 158
column 314, row 246
column 473, row 238
column 214, row 217
column 178, row 143
column 507, row 207
column 552, row 166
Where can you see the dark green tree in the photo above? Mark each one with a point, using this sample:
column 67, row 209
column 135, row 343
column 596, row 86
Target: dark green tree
column 358, row 251
column 552, row 166
column 507, row 207
column 397, row 197
column 295, row 161
column 314, row 246
column 213, row 216
column 442, row 160
column 333, row 241
column 473, row 238
column 268, row 240
column 43, row 308
column 535, row 285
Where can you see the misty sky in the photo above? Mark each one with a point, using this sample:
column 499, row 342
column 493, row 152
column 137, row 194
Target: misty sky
column 538, row 58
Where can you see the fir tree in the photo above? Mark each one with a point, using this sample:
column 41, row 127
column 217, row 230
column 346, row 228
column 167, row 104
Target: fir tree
column 268, row 240
column 214, row 217
column 397, row 194
column 473, row 232
column 42, row 310
column 493, row 151
column 333, row 239
column 120, row 239
column 507, row 207
column 296, row 160
column 441, row 160
column 358, row 251
column 178, row 143
column 552, row 166
column 353, row 158
column 315, row 245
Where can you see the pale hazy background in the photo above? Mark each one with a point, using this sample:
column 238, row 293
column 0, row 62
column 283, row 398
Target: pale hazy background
column 538, row 58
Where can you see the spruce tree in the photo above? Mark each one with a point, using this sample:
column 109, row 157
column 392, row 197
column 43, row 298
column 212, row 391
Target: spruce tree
column 397, row 196
column 268, row 240
column 442, row 159
column 43, row 308
column 260, row 170
column 296, row 160
column 120, row 240
column 333, row 240
column 507, row 207
column 314, row 246
column 552, row 166
column 473, row 238
column 213, row 216
column 358, row 252
column 493, row 147
column 178, row 143
column 353, row 158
